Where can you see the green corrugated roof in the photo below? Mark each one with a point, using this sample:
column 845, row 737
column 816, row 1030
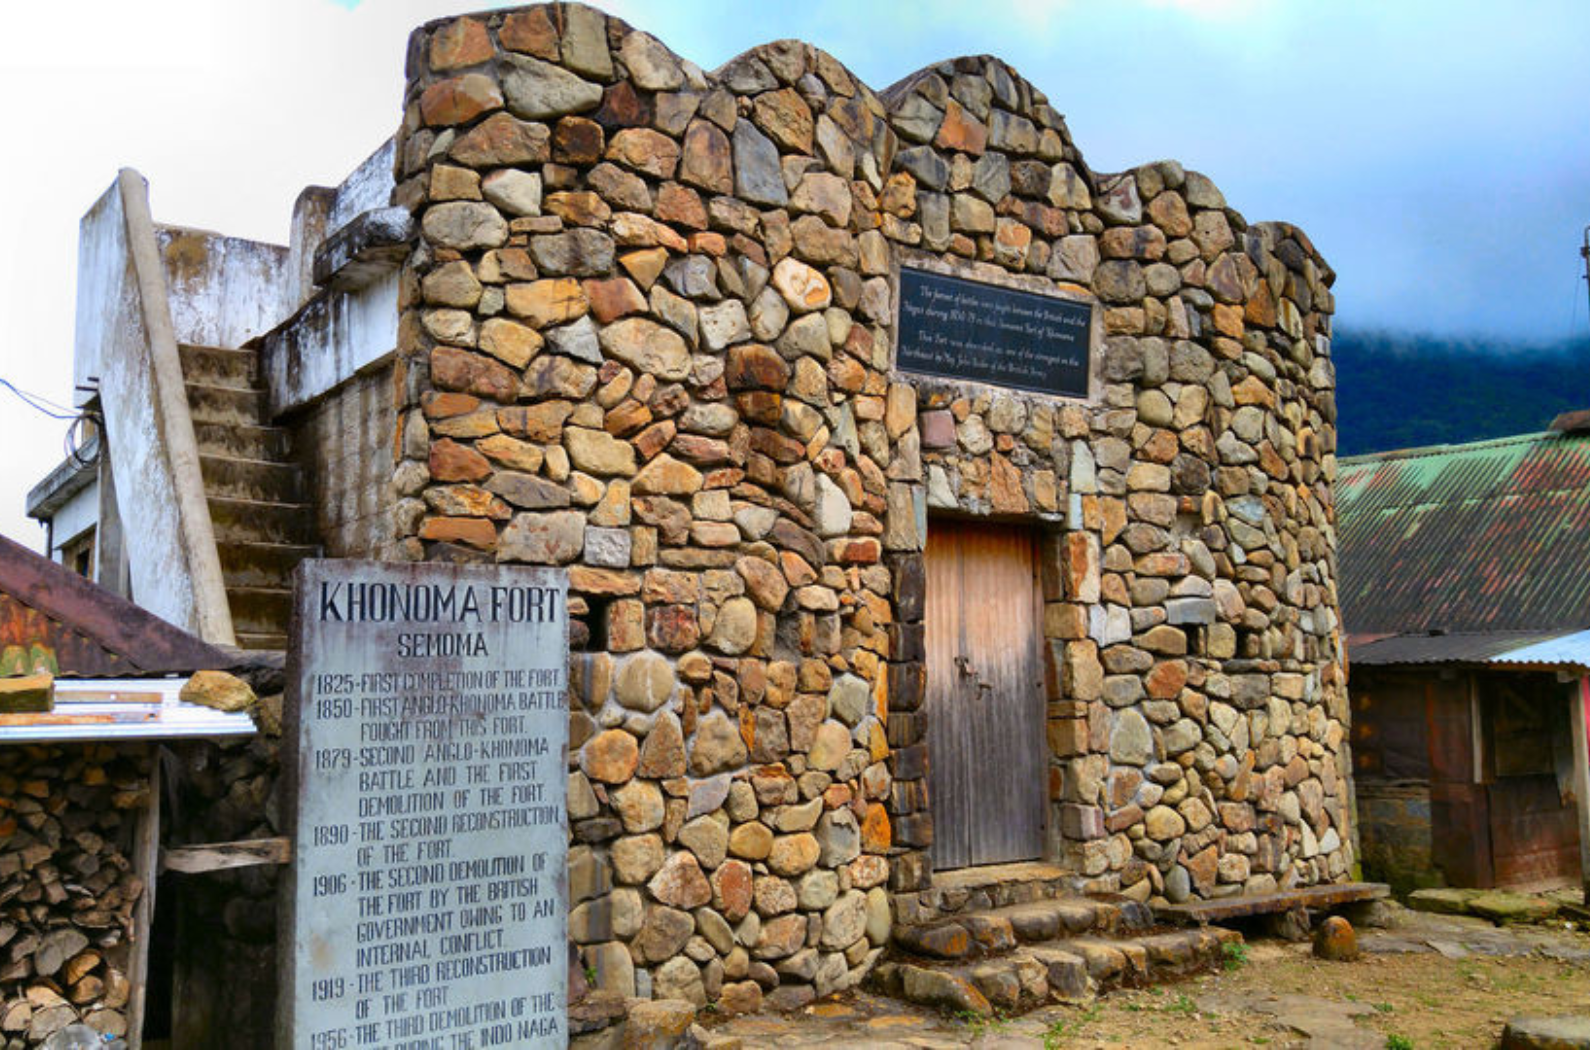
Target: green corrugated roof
column 1491, row 536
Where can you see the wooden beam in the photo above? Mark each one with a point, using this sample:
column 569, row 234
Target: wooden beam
column 146, row 852
column 1579, row 723
column 219, row 856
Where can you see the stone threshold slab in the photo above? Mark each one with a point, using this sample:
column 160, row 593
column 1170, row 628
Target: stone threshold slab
column 987, row 875
column 1225, row 908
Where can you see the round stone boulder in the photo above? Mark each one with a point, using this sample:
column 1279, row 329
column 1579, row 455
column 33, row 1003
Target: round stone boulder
column 1336, row 940
column 645, row 682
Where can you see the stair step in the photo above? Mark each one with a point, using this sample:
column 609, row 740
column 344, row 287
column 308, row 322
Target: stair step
column 259, row 521
column 255, row 479
column 1067, row 970
column 217, row 366
column 260, row 610
column 225, row 404
column 241, row 440
column 262, row 564
column 994, row 930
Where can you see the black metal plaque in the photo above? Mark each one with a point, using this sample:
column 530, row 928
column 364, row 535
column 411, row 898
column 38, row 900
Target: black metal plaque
column 959, row 329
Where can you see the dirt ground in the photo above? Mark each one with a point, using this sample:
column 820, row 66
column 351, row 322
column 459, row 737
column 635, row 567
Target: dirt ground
column 1428, row 982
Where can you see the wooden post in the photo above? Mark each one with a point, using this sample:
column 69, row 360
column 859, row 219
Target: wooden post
column 1578, row 718
column 146, row 865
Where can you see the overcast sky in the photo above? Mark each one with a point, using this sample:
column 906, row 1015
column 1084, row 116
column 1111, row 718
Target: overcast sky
column 1438, row 153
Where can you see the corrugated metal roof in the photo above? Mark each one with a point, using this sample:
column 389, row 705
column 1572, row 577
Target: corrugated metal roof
column 1465, row 539
column 1378, row 650
column 1568, row 651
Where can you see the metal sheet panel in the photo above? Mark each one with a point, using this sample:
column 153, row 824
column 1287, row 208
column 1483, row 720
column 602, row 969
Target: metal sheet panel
column 1470, row 648
column 110, row 709
column 90, row 630
column 1534, row 837
column 1490, row 536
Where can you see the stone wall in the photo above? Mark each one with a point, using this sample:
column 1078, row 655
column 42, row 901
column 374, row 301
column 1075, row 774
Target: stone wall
column 648, row 334
column 1394, row 822
column 343, row 442
column 1197, row 704
column 68, row 820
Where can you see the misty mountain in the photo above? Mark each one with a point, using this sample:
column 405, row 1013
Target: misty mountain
column 1400, row 390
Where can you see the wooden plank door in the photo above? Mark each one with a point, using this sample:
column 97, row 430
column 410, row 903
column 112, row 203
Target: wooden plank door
column 986, row 745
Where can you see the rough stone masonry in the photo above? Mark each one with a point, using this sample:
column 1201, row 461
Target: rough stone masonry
column 648, row 334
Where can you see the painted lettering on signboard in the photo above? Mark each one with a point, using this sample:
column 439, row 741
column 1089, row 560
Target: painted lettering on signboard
column 428, row 904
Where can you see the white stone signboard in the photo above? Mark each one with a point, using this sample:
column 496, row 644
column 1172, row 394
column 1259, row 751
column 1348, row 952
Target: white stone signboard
column 426, row 907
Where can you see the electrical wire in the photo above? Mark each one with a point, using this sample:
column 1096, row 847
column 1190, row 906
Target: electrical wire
column 40, row 404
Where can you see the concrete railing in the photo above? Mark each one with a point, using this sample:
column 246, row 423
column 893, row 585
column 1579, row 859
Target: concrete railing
column 126, row 338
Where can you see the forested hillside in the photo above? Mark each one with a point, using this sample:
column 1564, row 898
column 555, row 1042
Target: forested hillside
column 1395, row 390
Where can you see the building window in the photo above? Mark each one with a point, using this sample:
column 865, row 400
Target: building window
column 77, row 554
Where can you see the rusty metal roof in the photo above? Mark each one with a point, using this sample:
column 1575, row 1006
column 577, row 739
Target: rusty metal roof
column 82, row 629
column 1464, row 539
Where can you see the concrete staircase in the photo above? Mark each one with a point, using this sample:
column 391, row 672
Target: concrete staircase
column 1022, row 956
column 263, row 524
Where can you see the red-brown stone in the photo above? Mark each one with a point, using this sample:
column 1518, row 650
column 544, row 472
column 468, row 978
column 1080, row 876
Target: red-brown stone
column 961, row 131
column 610, row 756
column 623, row 108
column 701, row 450
column 475, row 532
column 450, row 461
column 672, row 628
column 626, row 417
column 540, row 422
column 679, row 883
column 446, row 405
column 578, row 140
column 646, row 151
column 858, row 552
column 754, row 366
column 455, row 369
column 786, row 117
column 655, row 438
column 706, row 242
column 731, row 889
column 876, row 835
column 500, row 141
column 459, row 100
column 1005, row 487
column 461, row 42
column 681, row 205
column 1335, row 940
column 1166, row 680
column 531, row 32
column 613, row 298
column 760, row 406
column 706, row 161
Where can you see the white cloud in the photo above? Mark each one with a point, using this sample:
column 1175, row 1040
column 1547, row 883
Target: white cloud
column 1301, row 111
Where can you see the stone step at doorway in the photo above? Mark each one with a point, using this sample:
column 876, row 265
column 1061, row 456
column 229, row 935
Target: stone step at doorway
column 1022, row 956
column 263, row 523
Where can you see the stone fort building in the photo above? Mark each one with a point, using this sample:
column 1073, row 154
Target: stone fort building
column 848, row 632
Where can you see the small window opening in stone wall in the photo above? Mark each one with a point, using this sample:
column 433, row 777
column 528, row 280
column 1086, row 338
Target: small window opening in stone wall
column 596, row 624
